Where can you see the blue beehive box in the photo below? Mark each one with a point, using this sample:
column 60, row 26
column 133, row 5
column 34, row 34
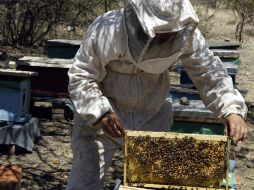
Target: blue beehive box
column 14, row 98
column 232, row 68
column 228, row 53
column 62, row 48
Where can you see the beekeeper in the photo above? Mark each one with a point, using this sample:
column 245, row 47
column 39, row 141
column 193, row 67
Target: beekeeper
column 120, row 80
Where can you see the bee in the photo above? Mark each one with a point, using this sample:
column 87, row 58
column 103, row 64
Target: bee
column 173, row 160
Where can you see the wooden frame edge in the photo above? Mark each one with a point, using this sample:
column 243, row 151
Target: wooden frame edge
column 179, row 135
column 154, row 186
column 125, row 159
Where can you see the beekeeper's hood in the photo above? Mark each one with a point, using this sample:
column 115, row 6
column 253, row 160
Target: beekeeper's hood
column 146, row 19
column 160, row 16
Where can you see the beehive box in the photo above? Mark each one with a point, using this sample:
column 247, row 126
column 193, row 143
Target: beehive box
column 174, row 160
column 15, row 99
column 52, row 80
column 62, row 48
column 232, row 69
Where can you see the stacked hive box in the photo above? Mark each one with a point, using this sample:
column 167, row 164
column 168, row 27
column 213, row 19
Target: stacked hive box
column 52, row 80
column 17, row 127
column 14, row 95
column 229, row 55
column 51, row 85
column 195, row 115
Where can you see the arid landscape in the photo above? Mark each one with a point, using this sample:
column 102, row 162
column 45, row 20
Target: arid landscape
column 48, row 166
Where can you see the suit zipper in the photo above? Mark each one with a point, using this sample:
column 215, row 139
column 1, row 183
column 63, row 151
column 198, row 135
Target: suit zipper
column 137, row 101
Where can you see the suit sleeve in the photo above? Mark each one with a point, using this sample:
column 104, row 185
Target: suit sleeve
column 84, row 80
column 211, row 80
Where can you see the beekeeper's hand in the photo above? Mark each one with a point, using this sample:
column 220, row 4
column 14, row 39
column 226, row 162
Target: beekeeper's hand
column 236, row 127
column 112, row 125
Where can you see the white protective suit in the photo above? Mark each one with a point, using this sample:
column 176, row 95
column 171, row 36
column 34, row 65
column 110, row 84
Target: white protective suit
column 122, row 66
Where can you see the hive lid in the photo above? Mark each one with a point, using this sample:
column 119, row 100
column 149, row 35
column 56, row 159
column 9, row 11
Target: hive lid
column 63, row 42
column 219, row 44
column 16, row 73
column 226, row 53
column 42, row 62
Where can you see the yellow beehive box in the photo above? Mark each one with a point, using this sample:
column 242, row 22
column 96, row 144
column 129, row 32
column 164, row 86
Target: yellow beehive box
column 175, row 160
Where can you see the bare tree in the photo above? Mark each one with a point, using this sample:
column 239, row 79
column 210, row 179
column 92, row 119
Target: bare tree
column 82, row 11
column 244, row 9
column 27, row 21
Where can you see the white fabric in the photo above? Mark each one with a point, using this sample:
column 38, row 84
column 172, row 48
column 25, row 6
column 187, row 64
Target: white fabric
column 104, row 77
column 158, row 65
column 210, row 77
column 146, row 49
column 160, row 16
column 92, row 155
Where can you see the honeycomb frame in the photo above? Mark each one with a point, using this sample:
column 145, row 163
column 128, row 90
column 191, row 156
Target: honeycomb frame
column 148, row 166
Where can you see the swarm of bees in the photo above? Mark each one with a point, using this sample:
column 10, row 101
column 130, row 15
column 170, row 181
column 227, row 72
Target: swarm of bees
column 175, row 161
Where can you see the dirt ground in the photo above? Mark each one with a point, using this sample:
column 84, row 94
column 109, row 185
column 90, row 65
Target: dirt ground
column 245, row 77
column 245, row 158
column 48, row 166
